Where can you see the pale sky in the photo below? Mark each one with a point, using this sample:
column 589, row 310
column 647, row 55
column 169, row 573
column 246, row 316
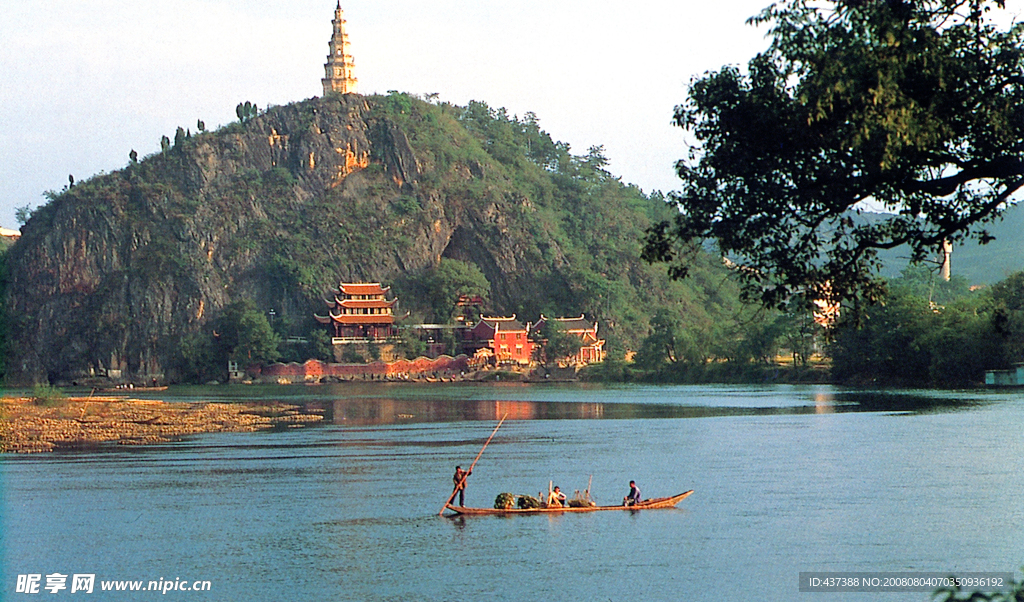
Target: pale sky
column 83, row 82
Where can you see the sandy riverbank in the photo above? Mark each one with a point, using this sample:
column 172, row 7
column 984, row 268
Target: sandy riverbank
column 26, row 427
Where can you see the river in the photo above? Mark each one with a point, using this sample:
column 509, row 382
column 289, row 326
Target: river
column 786, row 479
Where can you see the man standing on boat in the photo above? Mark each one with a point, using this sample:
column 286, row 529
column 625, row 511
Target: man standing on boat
column 634, row 495
column 459, row 480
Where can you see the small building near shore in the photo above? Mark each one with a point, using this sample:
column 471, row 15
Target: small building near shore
column 1005, row 378
column 507, row 338
column 591, row 348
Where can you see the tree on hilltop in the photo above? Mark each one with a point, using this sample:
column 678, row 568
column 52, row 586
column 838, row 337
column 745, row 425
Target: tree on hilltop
column 914, row 106
column 246, row 111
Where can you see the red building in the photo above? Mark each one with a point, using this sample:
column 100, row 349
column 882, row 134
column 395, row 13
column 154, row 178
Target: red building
column 591, row 347
column 360, row 310
column 507, row 338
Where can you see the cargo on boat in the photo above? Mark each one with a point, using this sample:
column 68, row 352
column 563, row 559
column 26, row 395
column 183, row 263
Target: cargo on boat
column 651, row 504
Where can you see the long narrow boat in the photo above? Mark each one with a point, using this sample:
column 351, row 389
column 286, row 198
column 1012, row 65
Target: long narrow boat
column 651, row 504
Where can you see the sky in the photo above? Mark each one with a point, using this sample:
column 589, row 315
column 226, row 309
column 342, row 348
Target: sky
column 83, row 82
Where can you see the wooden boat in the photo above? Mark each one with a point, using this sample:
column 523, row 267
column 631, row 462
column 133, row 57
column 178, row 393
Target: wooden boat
column 651, row 504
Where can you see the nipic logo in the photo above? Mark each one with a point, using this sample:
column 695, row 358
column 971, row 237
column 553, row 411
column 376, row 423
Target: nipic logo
column 33, row 583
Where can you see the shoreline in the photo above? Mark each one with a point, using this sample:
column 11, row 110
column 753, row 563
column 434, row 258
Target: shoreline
column 80, row 422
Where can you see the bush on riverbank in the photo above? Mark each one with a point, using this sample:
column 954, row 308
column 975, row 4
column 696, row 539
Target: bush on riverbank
column 48, row 397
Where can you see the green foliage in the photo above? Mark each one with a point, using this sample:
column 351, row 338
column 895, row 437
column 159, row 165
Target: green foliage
column 351, row 355
column 246, row 111
column 5, row 321
column 48, row 396
column 613, row 369
column 198, row 359
column 1015, row 593
column 668, row 343
column 558, row 343
column 913, row 106
column 923, row 282
column 320, row 343
column 406, row 205
column 912, row 340
column 439, row 288
column 241, row 333
column 410, row 346
column 246, row 335
column 22, row 214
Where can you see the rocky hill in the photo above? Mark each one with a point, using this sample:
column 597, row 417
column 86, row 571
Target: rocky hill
column 114, row 271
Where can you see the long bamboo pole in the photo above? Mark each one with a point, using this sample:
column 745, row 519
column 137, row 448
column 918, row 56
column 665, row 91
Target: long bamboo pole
column 463, row 481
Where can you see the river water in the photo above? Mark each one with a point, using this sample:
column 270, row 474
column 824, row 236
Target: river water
column 787, row 479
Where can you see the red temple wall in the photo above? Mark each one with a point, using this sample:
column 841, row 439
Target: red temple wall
column 314, row 369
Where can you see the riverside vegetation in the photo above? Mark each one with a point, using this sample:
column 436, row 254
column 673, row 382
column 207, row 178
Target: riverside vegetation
column 52, row 421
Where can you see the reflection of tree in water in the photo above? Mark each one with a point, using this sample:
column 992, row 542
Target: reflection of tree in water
column 881, row 401
column 385, row 410
column 364, row 411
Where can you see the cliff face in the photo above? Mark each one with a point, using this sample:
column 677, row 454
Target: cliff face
column 114, row 271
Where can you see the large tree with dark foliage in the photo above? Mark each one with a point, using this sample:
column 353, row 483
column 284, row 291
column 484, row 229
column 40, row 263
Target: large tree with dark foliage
column 914, row 106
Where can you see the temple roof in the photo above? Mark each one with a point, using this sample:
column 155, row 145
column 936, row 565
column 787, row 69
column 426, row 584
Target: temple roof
column 573, row 325
column 362, row 319
column 355, row 303
column 362, row 288
column 498, row 323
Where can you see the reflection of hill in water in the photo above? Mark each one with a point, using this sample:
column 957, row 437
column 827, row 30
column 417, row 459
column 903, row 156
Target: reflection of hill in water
column 364, row 412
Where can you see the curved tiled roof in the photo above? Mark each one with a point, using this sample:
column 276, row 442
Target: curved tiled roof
column 362, row 288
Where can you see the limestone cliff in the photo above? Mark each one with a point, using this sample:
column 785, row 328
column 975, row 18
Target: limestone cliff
column 115, row 270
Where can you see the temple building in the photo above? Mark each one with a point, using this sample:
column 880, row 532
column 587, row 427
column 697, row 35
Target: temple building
column 360, row 311
column 340, row 68
column 506, row 338
column 591, row 348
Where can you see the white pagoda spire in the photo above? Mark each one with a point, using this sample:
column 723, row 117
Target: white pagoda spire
column 340, row 68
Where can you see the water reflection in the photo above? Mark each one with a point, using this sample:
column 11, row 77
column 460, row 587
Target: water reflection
column 824, row 403
column 387, row 410
column 361, row 412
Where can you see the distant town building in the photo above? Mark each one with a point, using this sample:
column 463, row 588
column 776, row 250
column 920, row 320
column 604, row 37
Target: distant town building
column 361, row 311
column 506, row 338
column 591, row 348
column 340, row 68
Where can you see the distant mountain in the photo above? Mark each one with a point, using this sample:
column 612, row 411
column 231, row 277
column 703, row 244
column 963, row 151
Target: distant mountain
column 988, row 264
column 979, row 264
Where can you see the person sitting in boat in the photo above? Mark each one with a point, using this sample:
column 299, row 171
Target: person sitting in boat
column 633, row 498
column 556, row 498
column 459, row 480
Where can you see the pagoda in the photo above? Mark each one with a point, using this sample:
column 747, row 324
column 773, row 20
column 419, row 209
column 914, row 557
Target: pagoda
column 360, row 311
column 340, row 67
